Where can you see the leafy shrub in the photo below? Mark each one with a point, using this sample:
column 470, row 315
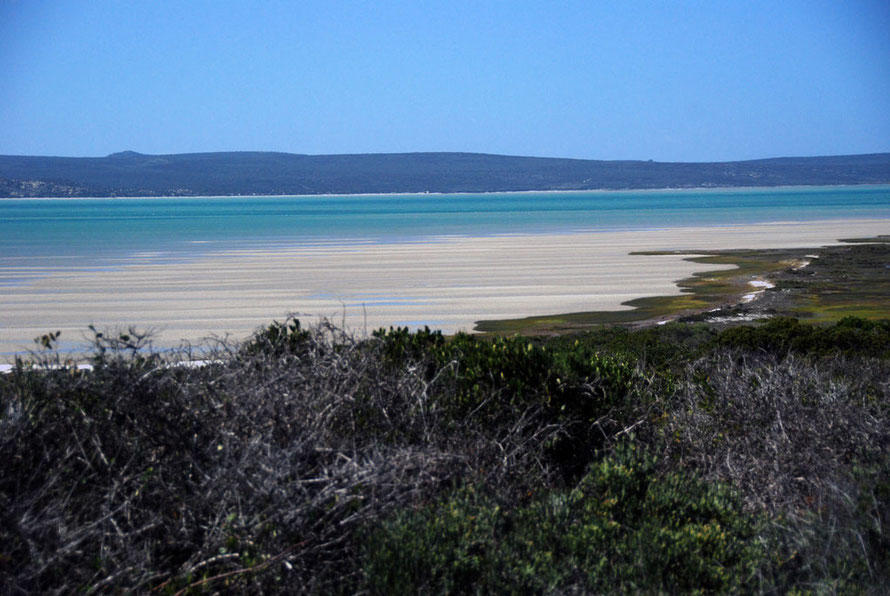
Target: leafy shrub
column 850, row 336
column 622, row 529
column 587, row 394
column 659, row 348
column 401, row 345
column 279, row 339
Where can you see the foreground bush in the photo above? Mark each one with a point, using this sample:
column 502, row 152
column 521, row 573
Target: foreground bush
column 807, row 441
column 589, row 396
column 303, row 460
column 255, row 471
column 242, row 474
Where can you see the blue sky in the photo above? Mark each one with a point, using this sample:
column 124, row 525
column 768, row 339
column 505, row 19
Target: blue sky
column 670, row 81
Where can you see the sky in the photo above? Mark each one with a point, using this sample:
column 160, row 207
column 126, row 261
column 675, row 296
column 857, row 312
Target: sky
column 666, row 80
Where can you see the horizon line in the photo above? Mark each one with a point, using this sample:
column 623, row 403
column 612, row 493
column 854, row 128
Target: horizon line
column 127, row 152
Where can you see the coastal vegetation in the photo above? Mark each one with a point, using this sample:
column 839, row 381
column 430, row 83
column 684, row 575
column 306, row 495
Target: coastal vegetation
column 676, row 458
column 815, row 284
column 266, row 173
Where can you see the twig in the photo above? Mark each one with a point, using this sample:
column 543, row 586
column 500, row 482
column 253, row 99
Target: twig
column 241, row 571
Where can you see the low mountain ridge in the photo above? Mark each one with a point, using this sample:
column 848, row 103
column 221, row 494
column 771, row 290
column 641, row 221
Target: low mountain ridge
column 129, row 173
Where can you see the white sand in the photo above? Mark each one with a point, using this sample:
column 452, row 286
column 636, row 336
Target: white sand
column 448, row 284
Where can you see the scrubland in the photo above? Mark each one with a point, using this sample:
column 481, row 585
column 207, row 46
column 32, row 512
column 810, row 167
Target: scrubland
column 680, row 458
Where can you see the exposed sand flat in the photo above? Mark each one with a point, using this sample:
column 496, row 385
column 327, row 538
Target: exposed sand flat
column 446, row 283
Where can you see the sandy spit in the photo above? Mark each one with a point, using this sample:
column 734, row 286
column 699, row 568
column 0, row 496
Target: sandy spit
column 446, row 283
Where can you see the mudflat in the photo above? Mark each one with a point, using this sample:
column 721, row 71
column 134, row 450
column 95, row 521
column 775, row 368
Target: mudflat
column 446, row 283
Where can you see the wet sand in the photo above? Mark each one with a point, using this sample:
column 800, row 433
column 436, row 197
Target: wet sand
column 447, row 283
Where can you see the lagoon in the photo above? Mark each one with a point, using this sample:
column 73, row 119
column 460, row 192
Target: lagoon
column 188, row 268
column 45, row 235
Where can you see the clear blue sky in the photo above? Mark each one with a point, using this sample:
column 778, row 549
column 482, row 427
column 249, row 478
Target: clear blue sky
column 669, row 80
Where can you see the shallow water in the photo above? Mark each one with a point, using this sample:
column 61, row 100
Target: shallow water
column 44, row 236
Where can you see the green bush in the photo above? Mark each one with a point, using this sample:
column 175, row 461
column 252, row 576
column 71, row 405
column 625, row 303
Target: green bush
column 494, row 377
column 660, row 348
column 849, row 336
column 279, row 339
column 624, row 528
column 401, row 345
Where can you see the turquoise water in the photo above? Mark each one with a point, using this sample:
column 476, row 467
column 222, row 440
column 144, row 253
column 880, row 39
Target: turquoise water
column 46, row 235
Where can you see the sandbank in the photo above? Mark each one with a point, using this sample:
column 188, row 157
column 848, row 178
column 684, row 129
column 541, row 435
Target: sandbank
column 446, row 283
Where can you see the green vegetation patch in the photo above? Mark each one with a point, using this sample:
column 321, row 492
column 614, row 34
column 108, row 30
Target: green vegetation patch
column 848, row 280
column 623, row 528
column 850, row 336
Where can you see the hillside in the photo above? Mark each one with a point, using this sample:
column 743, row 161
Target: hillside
column 265, row 173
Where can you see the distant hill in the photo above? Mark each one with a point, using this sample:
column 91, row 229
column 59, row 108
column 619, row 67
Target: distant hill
column 265, row 173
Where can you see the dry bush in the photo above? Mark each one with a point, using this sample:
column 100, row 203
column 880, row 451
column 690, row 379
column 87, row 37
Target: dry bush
column 806, row 440
column 249, row 473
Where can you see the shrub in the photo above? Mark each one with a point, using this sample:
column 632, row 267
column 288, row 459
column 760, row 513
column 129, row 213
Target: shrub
column 659, row 348
column 806, row 441
column 306, row 460
column 589, row 395
column 851, row 336
column 145, row 474
column 254, row 471
column 622, row 529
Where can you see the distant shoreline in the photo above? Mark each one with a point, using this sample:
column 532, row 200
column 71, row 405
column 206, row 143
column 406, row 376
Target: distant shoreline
column 261, row 173
column 488, row 192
